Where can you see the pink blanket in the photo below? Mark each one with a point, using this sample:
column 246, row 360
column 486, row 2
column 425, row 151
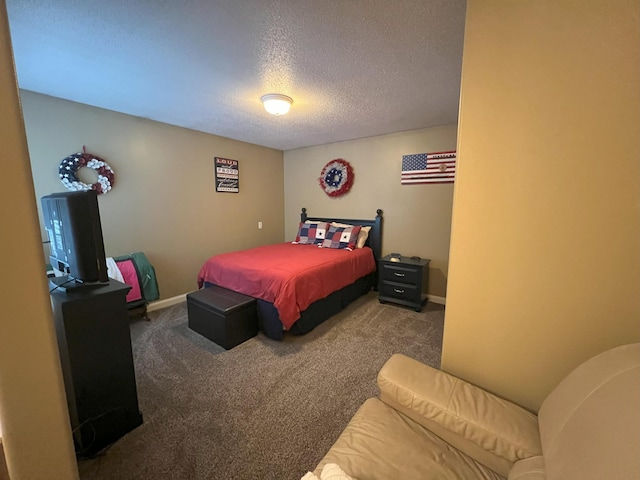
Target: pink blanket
column 291, row 277
column 128, row 271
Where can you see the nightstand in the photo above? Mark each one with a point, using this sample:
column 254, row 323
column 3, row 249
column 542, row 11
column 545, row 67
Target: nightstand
column 402, row 279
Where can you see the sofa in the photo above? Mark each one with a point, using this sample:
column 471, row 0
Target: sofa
column 427, row 424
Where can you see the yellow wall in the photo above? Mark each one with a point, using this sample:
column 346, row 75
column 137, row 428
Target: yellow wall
column 35, row 423
column 164, row 201
column 417, row 218
column 545, row 252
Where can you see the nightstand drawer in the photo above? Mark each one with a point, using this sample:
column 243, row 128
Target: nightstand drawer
column 401, row 291
column 402, row 274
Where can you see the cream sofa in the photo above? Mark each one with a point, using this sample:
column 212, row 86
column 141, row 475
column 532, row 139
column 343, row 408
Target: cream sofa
column 430, row 425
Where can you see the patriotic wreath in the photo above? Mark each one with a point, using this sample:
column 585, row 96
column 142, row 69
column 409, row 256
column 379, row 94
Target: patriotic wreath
column 336, row 177
column 69, row 167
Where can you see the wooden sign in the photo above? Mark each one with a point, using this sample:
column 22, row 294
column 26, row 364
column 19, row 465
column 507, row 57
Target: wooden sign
column 227, row 175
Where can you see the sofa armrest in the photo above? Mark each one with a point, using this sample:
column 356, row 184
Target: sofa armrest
column 493, row 431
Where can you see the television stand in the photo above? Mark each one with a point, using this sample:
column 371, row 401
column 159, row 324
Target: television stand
column 67, row 283
column 92, row 329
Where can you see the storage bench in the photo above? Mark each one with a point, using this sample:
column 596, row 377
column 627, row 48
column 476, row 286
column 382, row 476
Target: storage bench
column 225, row 317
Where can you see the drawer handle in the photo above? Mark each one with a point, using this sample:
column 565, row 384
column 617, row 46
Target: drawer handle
column 398, row 274
column 398, row 290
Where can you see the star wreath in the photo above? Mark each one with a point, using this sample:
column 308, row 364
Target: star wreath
column 69, row 167
column 336, row 177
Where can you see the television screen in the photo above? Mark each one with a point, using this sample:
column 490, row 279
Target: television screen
column 72, row 222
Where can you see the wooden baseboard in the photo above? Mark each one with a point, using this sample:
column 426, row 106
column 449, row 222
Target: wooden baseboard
column 167, row 302
column 436, row 299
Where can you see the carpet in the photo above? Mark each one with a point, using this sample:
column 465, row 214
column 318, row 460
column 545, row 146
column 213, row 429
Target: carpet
column 265, row 409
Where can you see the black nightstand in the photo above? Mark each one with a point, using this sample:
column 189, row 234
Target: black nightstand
column 402, row 279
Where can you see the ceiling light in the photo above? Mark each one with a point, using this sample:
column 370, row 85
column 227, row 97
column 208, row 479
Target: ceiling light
column 276, row 104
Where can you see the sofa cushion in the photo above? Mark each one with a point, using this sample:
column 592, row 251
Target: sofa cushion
column 380, row 443
column 590, row 423
column 531, row 468
column 492, row 430
column 330, row 471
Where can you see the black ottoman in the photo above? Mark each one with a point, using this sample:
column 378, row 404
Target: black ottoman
column 225, row 317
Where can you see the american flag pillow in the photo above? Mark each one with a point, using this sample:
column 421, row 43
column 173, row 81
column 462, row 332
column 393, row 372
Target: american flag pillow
column 341, row 237
column 311, row 233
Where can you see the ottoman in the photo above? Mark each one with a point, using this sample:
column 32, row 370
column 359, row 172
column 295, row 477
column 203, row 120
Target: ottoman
column 225, row 317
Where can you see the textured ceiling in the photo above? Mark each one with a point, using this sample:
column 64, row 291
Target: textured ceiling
column 354, row 68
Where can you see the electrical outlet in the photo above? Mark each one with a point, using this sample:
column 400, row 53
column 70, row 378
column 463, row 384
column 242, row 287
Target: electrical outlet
column 259, row 225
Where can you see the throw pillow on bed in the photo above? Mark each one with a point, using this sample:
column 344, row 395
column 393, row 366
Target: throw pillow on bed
column 311, row 233
column 362, row 236
column 341, row 237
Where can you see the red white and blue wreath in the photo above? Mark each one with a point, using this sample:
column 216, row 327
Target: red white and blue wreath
column 69, row 168
column 336, row 177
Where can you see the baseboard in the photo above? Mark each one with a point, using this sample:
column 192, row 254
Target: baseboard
column 436, row 299
column 167, row 302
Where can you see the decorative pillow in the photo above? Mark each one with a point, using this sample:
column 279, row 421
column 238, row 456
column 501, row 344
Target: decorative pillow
column 311, row 233
column 362, row 236
column 341, row 237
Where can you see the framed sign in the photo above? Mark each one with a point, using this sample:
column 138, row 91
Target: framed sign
column 227, row 175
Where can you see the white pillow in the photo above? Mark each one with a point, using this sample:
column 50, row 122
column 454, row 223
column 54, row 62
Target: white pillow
column 362, row 236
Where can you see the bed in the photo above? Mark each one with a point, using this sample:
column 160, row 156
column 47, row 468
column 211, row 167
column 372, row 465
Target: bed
column 298, row 285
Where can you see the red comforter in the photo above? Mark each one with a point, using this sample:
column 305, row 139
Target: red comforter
column 291, row 277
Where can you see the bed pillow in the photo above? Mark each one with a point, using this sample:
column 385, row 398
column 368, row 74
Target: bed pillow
column 362, row 236
column 336, row 224
column 341, row 237
column 311, row 233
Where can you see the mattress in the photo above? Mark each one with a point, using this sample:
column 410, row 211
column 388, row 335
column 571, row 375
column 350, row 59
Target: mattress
column 289, row 276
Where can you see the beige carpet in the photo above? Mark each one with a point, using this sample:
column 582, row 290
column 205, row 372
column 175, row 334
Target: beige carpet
column 265, row 409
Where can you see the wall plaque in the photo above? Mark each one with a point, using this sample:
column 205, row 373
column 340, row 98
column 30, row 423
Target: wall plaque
column 227, row 175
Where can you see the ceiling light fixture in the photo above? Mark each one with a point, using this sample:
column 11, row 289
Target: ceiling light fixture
column 276, row 104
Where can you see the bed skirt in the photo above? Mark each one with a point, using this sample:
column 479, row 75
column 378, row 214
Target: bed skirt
column 315, row 314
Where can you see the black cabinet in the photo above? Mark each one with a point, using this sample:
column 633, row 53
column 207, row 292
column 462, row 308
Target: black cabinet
column 402, row 281
column 92, row 329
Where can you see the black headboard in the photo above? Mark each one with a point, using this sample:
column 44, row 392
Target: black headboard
column 375, row 234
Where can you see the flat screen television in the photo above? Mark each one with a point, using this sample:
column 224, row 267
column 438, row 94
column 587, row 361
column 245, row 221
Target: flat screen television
column 72, row 222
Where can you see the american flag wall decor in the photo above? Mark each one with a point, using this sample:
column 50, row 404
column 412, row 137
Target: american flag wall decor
column 438, row 167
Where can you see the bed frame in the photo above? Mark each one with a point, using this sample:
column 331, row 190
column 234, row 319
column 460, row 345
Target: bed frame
column 321, row 310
